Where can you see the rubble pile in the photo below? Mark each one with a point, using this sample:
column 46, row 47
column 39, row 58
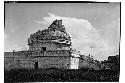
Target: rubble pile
column 56, row 31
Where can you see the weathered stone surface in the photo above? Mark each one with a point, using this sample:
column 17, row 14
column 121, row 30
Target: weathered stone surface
column 47, row 48
column 27, row 59
column 55, row 31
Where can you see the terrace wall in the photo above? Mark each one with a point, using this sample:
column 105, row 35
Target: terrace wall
column 27, row 59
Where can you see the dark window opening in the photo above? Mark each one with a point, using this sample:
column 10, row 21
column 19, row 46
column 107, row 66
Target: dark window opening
column 43, row 49
column 36, row 65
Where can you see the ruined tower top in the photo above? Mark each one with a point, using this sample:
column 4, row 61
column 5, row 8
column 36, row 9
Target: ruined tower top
column 55, row 33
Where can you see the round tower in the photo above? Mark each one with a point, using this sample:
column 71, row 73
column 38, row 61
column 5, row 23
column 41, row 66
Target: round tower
column 53, row 38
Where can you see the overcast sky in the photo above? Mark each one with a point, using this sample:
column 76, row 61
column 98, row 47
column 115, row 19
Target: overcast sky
column 94, row 27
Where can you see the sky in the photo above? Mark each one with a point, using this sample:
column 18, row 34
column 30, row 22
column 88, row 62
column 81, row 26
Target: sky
column 94, row 27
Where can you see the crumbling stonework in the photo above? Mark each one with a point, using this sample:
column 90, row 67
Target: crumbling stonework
column 47, row 48
column 44, row 60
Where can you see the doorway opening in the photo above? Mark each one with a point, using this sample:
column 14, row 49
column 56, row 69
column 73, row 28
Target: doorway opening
column 43, row 48
column 36, row 65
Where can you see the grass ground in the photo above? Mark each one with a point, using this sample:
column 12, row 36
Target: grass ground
column 59, row 75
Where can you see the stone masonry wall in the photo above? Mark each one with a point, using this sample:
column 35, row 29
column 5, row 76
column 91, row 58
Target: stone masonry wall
column 87, row 64
column 27, row 59
column 48, row 45
column 57, row 62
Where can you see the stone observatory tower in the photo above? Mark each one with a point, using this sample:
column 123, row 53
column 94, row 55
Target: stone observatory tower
column 53, row 38
column 48, row 48
column 52, row 46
